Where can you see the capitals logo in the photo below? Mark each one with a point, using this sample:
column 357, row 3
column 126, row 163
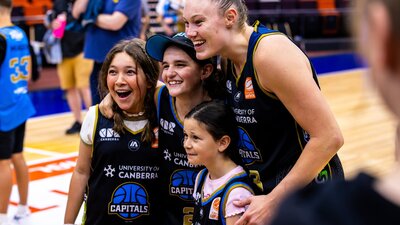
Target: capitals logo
column 167, row 127
column 129, row 201
column 182, row 184
column 247, row 148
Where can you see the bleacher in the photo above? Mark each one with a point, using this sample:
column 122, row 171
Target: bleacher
column 313, row 24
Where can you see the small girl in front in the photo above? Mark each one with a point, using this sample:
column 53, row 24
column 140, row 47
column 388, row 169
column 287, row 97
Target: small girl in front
column 211, row 137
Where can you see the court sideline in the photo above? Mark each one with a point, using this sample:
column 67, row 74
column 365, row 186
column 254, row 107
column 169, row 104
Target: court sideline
column 367, row 128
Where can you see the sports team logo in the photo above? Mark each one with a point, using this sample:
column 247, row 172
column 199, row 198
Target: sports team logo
column 238, row 96
column 16, row 35
column 324, row 176
column 247, row 148
column 129, row 201
column 134, row 145
column 229, row 86
column 182, row 184
column 108, row 134
column 214, row 209
column 167, row 127
column 248, row 89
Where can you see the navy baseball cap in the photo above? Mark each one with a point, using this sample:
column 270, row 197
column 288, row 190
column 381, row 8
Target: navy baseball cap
column 157, row 44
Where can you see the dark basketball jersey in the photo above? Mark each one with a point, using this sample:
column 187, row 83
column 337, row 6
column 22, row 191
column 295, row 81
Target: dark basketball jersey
column 180, row 174
column 211, row 210
column 270, row 139
column 124, row 184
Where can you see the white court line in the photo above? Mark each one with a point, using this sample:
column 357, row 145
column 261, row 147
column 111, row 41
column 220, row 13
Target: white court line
column 43, row 117
column 42, row 152
column 54, row 157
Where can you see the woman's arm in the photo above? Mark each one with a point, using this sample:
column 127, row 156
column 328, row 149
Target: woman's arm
column 284, row 70
column 78, row 183
column 289, row 76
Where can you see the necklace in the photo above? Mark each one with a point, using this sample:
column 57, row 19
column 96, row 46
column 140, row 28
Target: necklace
column 133, row 114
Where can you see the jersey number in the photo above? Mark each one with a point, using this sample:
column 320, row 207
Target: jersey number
column 21, row 68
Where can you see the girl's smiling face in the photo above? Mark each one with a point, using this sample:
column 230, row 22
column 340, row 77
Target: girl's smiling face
column 126, row 83
column 201, row 148
column 180, row 72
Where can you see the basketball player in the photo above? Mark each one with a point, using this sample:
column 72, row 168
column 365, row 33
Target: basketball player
column 188, row 82
column 210, row 139
column 15, row 109
column 364, row 200
column 118, row 168
column 289, row 136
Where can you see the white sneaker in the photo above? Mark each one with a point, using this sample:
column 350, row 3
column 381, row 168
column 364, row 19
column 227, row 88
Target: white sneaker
column 21, row 215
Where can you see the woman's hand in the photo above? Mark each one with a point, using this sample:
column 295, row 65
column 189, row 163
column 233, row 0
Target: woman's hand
column 260, row 210
column 105, row 106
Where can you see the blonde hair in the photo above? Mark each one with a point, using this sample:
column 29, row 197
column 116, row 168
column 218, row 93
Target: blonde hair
column 239, row 5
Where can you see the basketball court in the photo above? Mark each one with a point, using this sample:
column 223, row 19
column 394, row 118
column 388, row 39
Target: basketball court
column 367, row 128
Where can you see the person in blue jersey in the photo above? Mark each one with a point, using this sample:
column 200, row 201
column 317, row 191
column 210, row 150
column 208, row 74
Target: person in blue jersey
column 118, row 168
column 169, row 16
column 15, row 109
column 211, row 135
column 364, row 199
column 188, row 82
column 113, row 20
column 288, row 135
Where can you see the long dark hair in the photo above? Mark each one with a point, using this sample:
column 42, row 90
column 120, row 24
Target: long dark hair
column 135, row 49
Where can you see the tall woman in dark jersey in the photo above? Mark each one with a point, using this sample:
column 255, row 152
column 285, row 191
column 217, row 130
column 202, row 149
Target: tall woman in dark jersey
column 118, row 168
column 288, row 134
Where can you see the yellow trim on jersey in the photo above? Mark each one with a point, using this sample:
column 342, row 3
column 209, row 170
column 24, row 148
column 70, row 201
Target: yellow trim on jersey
column 220, row 188
column 96, row 118
column 229, row 191
column 268, row 93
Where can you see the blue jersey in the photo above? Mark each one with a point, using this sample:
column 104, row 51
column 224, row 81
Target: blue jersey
column 99, row 41
column 15, row 104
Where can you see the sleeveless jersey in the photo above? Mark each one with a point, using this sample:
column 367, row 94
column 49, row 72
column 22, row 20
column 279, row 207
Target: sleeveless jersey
column 270, row 139
column 211, row 210
column 15, row 104
column 180, row 174
column 123, row 187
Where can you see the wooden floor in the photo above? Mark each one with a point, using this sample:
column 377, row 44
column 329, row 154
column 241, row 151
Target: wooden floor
column 367, row 127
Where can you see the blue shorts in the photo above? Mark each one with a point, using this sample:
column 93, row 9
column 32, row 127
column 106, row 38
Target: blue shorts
column 12, row 141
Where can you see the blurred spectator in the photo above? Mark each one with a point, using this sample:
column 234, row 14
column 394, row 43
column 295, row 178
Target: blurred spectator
column 74, row 69
column 169, row 15
column 15, row 109
column 144, row 31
